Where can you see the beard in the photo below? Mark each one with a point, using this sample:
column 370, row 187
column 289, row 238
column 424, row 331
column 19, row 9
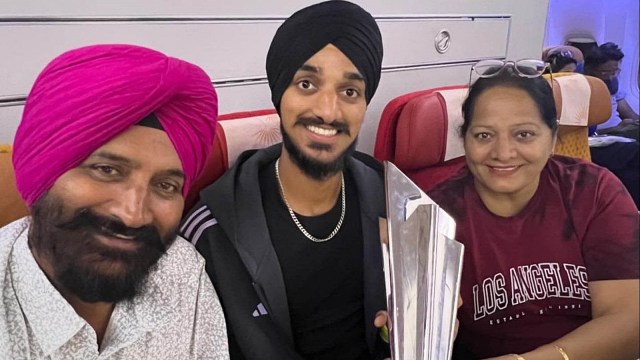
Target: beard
column 316, row 169
column 81, row 264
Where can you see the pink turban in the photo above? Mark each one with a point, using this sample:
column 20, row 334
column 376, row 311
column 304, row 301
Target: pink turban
column 87, row 96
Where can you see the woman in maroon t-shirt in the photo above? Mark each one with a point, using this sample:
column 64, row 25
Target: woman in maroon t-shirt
column 551, row 243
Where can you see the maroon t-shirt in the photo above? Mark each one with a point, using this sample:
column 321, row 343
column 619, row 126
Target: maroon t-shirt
column 525, row 278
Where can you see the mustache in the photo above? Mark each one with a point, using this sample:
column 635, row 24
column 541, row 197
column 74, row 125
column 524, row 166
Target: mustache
column 87, row 220
column 339, row 125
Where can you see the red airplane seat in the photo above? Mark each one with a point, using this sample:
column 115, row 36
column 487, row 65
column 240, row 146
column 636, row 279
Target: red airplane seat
column 418, row 132
column 236, row 132
column 11, row 205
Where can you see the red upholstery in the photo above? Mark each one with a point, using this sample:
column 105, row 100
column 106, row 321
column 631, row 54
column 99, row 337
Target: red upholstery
column 386, row 137
column 236, row 132
column 11, row 205
column 434, row 133
column 418, row 133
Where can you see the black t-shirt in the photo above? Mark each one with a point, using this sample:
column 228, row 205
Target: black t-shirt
column 324, row 281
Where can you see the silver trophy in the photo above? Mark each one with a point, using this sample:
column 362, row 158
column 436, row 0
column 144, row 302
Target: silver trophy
column 423, row 264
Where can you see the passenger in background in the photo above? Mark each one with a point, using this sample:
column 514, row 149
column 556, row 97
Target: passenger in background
column 603, row 62
column 622, row 159
column 551, row 243
column 110, row 140
column 561, row 62
column 620, row 154
column 290, row 233
column 563, row 58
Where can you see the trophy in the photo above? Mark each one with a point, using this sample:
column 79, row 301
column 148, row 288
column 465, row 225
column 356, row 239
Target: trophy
column 422, row 265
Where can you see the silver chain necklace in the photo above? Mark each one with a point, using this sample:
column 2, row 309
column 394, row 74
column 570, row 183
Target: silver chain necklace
column 295, row 218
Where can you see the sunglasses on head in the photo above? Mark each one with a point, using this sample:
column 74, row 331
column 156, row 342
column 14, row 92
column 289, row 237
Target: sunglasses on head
column 529, row 68
column 526, row 68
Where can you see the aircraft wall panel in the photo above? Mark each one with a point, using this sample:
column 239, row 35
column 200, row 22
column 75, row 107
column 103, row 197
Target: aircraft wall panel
column 281, row 8
column 233, row 49
column 222, row 49
column 470, row 39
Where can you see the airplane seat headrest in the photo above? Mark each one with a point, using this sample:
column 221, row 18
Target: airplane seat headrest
column 427, row 130
column 418, row 132
column 581, row 101
column 236, row 133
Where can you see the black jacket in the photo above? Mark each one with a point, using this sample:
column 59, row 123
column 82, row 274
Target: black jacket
column 229, row 228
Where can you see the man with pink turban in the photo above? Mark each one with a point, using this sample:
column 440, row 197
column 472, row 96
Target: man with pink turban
column 111, row 138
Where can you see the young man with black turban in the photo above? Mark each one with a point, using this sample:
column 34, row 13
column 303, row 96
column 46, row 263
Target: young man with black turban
column 290, row 233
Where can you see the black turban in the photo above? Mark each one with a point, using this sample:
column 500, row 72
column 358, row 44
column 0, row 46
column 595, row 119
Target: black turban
column 345, row 25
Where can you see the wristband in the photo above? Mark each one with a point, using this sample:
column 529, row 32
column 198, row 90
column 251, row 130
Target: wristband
column 384, row 333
